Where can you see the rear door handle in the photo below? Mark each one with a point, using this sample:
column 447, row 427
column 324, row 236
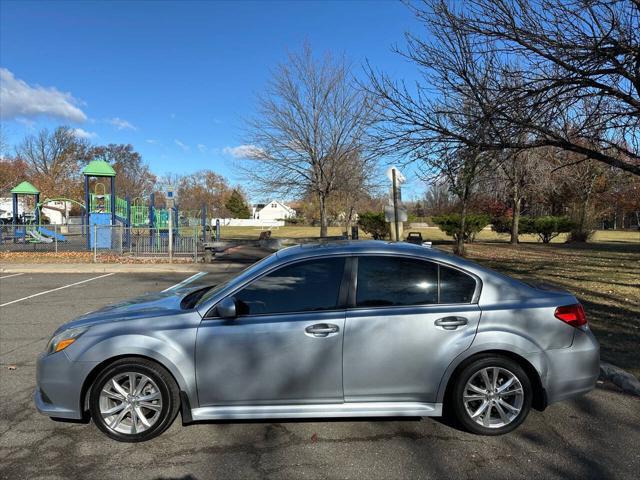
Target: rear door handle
column 451, row 323
column 321, row 329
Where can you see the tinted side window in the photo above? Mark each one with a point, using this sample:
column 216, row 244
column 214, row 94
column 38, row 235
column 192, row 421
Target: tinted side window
column 389, row 281
column 305, row 286
column 455, row 286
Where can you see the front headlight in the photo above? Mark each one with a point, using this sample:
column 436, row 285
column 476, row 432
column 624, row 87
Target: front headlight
column 64, row 339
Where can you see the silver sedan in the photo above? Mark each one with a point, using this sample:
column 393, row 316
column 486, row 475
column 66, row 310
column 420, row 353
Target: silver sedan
column 345, row 329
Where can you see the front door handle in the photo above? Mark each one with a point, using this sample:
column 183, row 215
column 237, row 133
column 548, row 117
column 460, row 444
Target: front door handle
column 451, row 323
column 321, row 329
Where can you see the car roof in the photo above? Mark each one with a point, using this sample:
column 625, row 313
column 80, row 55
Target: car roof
column 363, row 247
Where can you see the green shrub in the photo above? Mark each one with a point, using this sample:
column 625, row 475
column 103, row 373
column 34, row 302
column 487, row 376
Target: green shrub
column 374, row 224
column 294, row 221
column 547, row 228
column 450, row 224
column 501, row 224
column 578, row 235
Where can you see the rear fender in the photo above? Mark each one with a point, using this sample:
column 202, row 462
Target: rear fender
column 498, row 342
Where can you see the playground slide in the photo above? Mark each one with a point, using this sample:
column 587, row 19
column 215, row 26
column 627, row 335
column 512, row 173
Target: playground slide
column 38, row 237
column 51, row 234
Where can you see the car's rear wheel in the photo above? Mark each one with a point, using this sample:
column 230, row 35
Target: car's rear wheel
column 492, row 395
column 133, row 400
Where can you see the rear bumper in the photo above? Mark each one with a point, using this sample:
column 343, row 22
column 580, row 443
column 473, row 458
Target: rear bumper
column 59, row 385
column 573, row 371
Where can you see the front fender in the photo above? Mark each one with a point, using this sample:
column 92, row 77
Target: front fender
column 170, row 354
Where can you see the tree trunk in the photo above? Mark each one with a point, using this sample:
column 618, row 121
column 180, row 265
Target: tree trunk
column 349, row 221
column 459, row 246
column 515, row 221
column 323, row 215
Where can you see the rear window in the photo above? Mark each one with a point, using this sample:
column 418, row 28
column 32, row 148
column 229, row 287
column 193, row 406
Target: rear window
column 456, row 286
column 396, row 281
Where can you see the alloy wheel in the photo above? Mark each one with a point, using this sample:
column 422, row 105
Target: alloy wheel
column 493, row 397
column 130, row 403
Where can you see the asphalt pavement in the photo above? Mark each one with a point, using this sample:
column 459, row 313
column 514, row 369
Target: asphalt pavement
column 596, row 436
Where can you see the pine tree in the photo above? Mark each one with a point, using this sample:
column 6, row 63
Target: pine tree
column 237, row 205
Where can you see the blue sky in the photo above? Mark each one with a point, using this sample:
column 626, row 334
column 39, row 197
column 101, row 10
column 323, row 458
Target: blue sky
column 175, row 79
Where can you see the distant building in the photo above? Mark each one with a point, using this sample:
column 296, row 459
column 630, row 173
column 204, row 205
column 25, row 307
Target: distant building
column 57, row 211
column 6, row 209
column 273, row 210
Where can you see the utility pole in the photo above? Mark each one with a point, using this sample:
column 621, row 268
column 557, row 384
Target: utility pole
column 170, row 235
column 393, row 212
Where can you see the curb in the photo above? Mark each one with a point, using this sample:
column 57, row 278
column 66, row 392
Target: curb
column 622, row 379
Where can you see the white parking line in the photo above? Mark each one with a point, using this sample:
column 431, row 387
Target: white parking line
column 184, row 282
column 56, row 289
column 12, row 275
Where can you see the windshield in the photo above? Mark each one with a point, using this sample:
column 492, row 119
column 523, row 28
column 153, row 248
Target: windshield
column 255, row 266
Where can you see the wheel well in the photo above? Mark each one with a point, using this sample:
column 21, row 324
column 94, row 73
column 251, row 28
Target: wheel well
column 539, row 401
column 88, row 382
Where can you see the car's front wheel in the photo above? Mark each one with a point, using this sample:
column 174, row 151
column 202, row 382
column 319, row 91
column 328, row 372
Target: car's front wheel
column 492, row 395
column 133, row 400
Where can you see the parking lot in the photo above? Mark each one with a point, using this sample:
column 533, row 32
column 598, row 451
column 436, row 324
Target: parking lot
column 597, row 436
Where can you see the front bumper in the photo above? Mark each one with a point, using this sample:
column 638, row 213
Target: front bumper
column 59, row 384
column 573, row 371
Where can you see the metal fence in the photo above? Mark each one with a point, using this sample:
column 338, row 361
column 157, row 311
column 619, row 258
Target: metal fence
column 100, row 239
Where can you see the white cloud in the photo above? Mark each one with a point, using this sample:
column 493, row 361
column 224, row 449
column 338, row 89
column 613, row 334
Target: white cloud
column 242, row 151
column 202, row 148
column 121, row 124
column 19, row 99
column 151, row 141
column 183, row 146
column 80, row 133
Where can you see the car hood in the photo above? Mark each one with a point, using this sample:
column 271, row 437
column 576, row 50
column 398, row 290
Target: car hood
column 151, row 305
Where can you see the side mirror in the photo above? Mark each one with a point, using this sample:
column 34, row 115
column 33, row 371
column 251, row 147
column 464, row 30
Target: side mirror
column 226, row 308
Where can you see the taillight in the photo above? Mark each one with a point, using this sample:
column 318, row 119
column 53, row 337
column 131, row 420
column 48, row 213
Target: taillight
column 572, row 314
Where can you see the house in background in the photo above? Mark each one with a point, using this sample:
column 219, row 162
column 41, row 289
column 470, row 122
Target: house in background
column 57, row 211
column 273, row 210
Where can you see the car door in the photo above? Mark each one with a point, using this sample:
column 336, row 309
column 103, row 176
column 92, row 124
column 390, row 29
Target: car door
column 409, row 318
column 284, row 347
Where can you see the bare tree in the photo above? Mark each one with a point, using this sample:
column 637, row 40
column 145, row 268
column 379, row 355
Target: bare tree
column 430, row 123
column 203, row 187
column 516, row 170
column 574, row 64
column 54, row 160
column 438, row 199
column 312, row 120
column 356, row 186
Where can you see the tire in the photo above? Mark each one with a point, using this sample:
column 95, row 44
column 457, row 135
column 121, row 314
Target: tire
column 472, row 382
column 139, row 415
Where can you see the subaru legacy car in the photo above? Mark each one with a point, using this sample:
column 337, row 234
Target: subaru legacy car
column 345, row 329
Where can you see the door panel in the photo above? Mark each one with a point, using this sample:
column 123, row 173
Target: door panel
column 399, row 353
column 270, row 359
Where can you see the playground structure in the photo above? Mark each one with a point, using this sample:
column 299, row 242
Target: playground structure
column 32, row 231
column 108, row 222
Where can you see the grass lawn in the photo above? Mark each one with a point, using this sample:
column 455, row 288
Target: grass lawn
column 432, row 234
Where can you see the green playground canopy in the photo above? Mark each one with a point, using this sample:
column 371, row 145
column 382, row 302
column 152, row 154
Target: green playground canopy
column 99, row 168
column 25, row 188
